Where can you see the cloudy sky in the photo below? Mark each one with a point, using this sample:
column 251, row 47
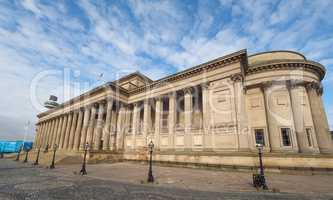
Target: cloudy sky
column 61, row 47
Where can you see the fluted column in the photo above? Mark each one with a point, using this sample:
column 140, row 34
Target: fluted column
column 146, row 120
column 61, row 120
column 44, row 140
column 273, row 133
column 320, row 121
column 78, row 130
column 54, row 137
column 72, row 130
column 63, row 131
column 90, row 131
column 121, row 127
column 188, row 111
column 43, row 134
column 99, row 126
column 50, row 135
column 135, row 123
column 68, row 129
column 206, row 116
column 172, row 118
column 113, row 130
column 158, row 113
column 106, row 130
column 85, row 125
column 40, row 137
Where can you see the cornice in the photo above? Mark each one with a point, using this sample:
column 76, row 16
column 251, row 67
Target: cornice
column 306, row 65
column 239, row 56
column 83, row 96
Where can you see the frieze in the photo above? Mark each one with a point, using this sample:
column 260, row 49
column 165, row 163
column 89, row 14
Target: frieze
column 302, row 65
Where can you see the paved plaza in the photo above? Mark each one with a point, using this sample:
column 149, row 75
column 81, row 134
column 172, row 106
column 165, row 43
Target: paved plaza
column 127, row 181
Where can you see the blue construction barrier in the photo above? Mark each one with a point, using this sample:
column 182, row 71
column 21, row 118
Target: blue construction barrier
column 14, row 146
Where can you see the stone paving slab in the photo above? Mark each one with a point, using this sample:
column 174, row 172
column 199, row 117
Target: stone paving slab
column 206, row 180
column 23, row 181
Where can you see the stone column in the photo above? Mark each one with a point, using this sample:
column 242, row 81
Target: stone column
column 43, row 134
column 146, row 120
column 135, row 123
column 298, row 115
column 188, row 111
column 113, row 130
column 50, row 135
column 90, row 131
column 99, row 127
column 37, row 134
column 72, row 131
column 320, row 121
column 55, row 134
column 273, row 132
column 85, row 125
column 78, row 130
column 47, row 131
column 61, row 120
column 206, row 115
column 63, row 131
column 40, row 138
column 172, row 118
column 106, row 130
column 121, row 127
column 68, row 130
column 158, row 113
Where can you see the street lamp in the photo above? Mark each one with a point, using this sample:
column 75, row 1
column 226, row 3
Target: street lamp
column 37, row 158
column 46, row 148
column 83, row 170
column 26, row 155
column 259, row 179
column 150, row 172
column 54, row 152
column 18, row 154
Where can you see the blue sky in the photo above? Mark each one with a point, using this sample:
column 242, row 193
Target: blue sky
column 60, row 47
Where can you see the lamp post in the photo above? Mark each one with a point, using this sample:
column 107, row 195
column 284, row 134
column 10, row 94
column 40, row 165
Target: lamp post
column 37, row 158
column 150, row 172
column 18, row 154
column 83, row 170
column 46, row 148
column 262, row 180
column 54, row 152
column 26, row 155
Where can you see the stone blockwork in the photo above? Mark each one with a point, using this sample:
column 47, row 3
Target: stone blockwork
column 227, row 105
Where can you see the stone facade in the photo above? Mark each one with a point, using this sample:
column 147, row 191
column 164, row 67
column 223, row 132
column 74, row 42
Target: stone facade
column 229, row 104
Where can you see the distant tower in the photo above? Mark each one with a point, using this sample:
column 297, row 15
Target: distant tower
column 52, row 102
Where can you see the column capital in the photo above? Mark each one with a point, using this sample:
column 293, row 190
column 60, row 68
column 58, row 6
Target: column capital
column 204, row 85
column 188, row 90
column 172, row 94
column 314, row 86
column 237, row 77
column 109, row 99
column 158, row 98
column 265, row 85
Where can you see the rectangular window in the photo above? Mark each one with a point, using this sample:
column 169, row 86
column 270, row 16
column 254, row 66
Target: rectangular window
column 259, row 136
column 285, row 133
column 309, row 137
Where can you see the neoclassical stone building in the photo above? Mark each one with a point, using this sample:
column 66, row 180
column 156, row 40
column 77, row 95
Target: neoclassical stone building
column 213, row 113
